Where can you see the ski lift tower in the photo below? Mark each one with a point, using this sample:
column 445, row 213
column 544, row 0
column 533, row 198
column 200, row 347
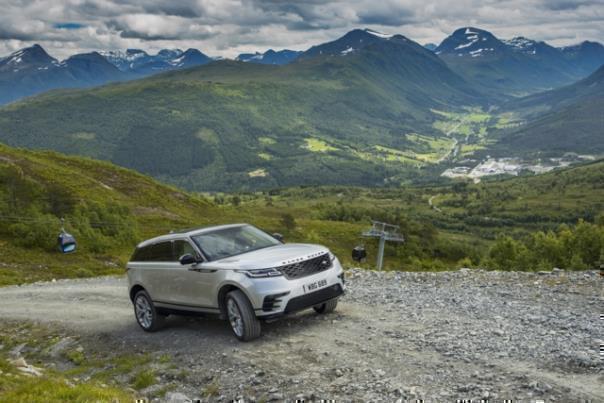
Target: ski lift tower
column 384, row 232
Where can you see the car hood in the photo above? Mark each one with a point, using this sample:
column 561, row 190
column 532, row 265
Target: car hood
column 273, row 256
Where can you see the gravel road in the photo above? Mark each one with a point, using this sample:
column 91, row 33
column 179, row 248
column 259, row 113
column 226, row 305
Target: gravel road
column 467, row 334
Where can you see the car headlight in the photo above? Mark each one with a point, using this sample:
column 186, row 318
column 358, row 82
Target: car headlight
column 261, row 273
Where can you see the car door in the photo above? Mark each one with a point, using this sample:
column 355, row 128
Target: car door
column 192, row 285
column 157, row 265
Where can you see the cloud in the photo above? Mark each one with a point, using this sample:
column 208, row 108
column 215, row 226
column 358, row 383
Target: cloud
column 154, row 27
column 228, row 27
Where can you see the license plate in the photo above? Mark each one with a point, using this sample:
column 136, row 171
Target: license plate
column 310, row 287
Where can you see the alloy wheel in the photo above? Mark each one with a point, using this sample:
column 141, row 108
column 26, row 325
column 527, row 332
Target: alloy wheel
column 144, row 313
column 235, row 317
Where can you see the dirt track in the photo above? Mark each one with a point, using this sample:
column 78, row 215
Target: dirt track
column 438, row 336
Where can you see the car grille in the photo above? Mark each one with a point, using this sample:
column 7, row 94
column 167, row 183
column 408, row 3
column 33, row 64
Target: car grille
column 306, row 268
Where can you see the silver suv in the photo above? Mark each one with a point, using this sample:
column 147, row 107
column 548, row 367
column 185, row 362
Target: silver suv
column 236, row 271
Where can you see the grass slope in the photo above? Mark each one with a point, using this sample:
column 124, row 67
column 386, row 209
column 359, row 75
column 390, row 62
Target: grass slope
column 110, row 209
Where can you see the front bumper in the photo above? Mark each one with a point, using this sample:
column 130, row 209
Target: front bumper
column 273, row 297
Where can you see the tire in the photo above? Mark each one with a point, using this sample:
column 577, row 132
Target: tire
column 326, row 307
column 241, row 316
column 147, row 316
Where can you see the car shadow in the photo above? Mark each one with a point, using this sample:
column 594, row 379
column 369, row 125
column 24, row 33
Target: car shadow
column 203, row 333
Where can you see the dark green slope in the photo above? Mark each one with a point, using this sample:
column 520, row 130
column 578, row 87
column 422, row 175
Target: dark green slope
column 109, row 210
column 591, row 87
column 567, row 119
column 233, row 125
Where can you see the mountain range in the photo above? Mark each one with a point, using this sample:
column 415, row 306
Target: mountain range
column 31, row 70
column 517, row 66
column 270, row 57
column 231, row 124
column 365, row 109
column 140, row 63
column 499, row 68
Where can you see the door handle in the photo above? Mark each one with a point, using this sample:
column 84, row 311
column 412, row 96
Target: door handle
column 201, row 269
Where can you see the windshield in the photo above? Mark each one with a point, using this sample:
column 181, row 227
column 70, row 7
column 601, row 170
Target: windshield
column 233, row 241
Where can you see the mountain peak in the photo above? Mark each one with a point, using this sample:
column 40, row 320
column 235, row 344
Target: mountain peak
column 170, row 53
column 471, row 41
column 33, row 56
column 278, row 57
column 131, row 51
column 350, row 43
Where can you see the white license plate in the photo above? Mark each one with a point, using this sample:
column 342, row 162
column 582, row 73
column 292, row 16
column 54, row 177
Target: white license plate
column 315, row 285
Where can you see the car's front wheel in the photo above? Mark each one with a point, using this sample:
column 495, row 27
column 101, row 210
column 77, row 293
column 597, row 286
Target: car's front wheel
column 146, row 315
column 241, row 316
column 326, row 307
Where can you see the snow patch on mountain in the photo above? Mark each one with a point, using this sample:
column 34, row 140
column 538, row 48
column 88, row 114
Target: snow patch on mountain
column 378, row 34
column 473, row 40
column 478, row 52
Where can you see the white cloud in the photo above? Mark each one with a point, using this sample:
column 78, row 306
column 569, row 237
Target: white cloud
column 228, row 27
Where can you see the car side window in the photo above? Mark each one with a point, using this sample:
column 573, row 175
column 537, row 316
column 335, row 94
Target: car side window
column 181, row 247
column 140, row 254
column 160, row 252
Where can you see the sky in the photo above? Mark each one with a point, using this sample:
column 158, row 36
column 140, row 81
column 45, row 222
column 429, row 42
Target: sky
column 229, row 27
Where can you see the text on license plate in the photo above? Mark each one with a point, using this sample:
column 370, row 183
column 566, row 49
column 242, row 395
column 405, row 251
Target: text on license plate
column 315, row 285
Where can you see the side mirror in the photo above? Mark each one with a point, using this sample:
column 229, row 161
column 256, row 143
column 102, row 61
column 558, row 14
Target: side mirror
column 187, row 259
column 359, row 253
column 278, row 236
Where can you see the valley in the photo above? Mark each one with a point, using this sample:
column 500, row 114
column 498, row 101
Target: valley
column 389, row 112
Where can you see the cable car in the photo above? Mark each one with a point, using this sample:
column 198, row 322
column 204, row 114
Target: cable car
column 67, row 242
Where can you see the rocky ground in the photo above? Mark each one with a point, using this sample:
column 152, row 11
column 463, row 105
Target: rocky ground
column 436, row 336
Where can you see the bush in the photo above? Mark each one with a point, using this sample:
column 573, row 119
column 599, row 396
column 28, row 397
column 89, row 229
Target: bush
column 41, row 232
column 577, row 248
column 288, row 221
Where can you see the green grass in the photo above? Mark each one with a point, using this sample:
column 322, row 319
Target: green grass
column 317, row 145
column 55, row 385
column 144, row 379
column 51, row 389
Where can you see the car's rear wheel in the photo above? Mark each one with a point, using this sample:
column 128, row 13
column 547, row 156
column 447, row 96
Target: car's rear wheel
column 241, row 316
column 146, row 315
column 326, row 307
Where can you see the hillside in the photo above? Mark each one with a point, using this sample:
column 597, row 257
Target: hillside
column 110, row 209
column 234, row 125
column 570, row 118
